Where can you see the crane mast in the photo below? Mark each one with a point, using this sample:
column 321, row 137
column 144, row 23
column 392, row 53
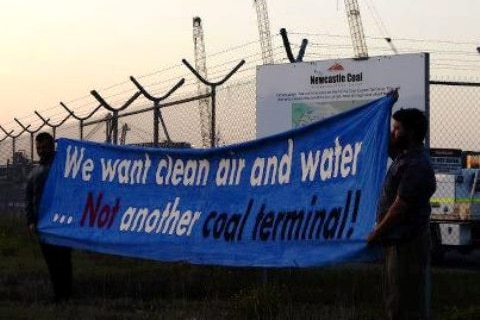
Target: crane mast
column 356, row 29
column 264, row 31
column 201, row 67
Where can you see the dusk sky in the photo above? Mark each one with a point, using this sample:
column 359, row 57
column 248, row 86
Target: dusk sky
column 56, row 50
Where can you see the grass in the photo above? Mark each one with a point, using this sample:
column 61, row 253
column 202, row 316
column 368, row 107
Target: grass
column 109, row 287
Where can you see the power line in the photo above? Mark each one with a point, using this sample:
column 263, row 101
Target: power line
column 474, row 43
column 376, row 18
column 438, row 55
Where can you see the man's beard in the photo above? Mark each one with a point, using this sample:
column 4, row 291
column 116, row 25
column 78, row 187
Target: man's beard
column 397, row 146
column 46, row 158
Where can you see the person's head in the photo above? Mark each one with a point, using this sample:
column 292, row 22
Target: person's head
column 45, row 145
column 409, row 128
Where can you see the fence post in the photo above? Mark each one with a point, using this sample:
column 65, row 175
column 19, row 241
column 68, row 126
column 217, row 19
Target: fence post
column 157, row 114
column 80, row 119
column 213, row 86
column 7, row 135
column 114, row 111
column 32, row 132
column 288, row 48
column 53, row 126
column 14, row 137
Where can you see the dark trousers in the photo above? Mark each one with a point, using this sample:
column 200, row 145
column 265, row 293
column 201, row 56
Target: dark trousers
column 407, row 282
column 59, row 263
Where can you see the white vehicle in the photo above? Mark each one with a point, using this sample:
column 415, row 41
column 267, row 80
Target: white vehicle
column 455, row 220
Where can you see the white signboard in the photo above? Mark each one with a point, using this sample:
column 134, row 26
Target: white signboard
column 295, row 94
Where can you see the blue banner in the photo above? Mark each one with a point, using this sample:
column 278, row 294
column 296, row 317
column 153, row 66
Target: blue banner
column 306, row 197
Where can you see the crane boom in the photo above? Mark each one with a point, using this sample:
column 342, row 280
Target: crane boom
column 201, row 67
column 356, row 29
column 264, row 31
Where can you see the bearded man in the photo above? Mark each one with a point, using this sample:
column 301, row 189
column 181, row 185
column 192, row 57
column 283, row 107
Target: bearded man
column 403, row 216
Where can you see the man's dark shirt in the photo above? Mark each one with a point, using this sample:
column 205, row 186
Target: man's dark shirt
column 412, row 178
column 34, row 190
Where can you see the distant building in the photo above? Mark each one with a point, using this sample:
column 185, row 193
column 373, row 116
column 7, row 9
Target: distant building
column 13, row 177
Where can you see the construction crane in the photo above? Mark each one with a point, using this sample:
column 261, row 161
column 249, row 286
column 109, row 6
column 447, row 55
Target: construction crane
column 356, row 29
column 201, row 67
column 264, row 31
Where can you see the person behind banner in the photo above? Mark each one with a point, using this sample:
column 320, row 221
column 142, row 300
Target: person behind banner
column 403, row 219
column 57, row 258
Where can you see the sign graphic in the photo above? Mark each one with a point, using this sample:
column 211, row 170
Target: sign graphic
column 296, row 94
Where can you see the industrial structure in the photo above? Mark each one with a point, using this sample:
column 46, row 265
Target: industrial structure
column 264, row 31
column 356, row 29
column 201, row 67
column 13, row 177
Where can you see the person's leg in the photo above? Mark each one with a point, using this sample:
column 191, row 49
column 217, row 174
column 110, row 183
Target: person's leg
column 59, row 265
column 391, row 282
column 414, row 278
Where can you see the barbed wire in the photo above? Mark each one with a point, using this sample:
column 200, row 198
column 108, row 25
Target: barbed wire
column 219, row 66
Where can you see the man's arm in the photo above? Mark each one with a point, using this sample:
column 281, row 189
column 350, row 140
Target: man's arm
column 390, row 219
column 30, row 205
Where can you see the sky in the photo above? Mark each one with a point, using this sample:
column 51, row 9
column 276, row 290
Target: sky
column 57, row 50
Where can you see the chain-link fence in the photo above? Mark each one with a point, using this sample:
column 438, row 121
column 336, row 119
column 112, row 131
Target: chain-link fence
column 454, row 115
column 454, row 119
column 174, row 121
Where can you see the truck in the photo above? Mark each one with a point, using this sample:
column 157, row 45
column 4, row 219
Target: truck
column 455, row 219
